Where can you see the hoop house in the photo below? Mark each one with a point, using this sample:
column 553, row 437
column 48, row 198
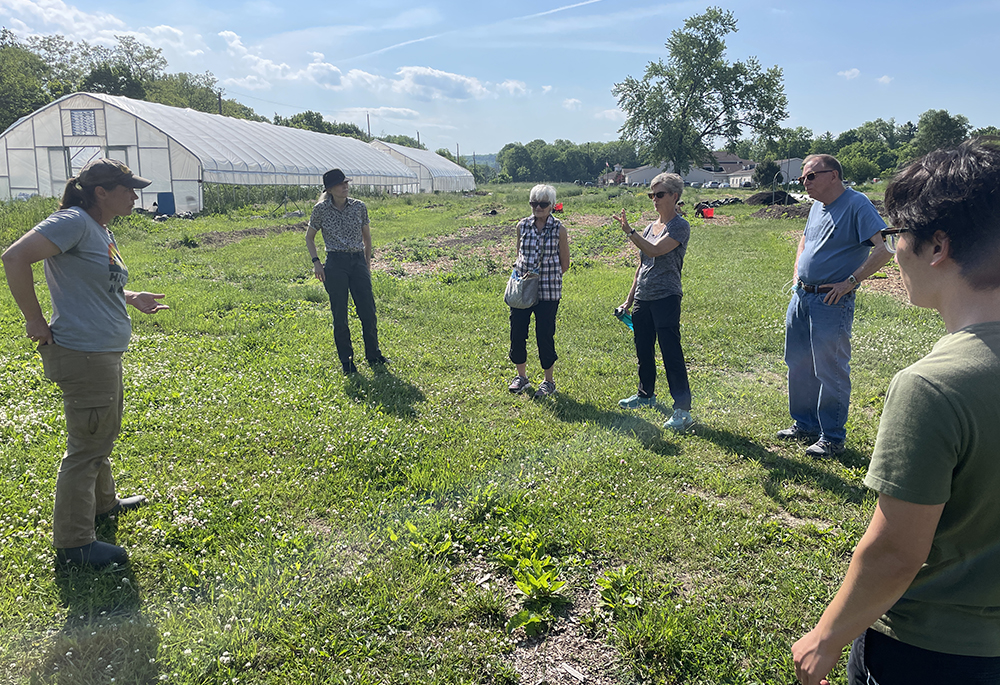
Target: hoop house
column 179, row 150
column 435, row 172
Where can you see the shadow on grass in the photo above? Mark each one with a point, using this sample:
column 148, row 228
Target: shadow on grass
column 105, row 636
column 781, row 469
column 629, row 424
column 385, row 390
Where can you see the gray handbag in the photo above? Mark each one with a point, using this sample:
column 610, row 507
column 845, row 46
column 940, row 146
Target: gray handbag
column 522, row 289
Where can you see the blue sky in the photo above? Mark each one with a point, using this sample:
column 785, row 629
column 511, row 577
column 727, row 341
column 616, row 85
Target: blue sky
column 482, row 74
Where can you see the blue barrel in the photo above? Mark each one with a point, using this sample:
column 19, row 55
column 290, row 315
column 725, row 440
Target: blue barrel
column 165, row 203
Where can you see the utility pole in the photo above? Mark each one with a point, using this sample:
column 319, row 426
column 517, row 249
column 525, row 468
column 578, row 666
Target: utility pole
column 369, row 118
column 418, row 137
column 220, row 102
column 458, row 157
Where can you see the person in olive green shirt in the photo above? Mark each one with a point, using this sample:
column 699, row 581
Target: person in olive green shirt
column 921, row 599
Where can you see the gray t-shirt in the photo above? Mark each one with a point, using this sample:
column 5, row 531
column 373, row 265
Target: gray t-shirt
column 87, row 283
column 660, row 277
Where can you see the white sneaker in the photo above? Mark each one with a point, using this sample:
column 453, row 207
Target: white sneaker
column 680, row 421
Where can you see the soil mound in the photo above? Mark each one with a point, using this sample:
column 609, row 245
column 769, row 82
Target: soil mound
column 778, row 197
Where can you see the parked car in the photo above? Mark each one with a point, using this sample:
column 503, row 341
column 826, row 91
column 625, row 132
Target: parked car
column 747, row 184
column 696, row 184
column 712, row 184
column 725, row 185
column 588, row 184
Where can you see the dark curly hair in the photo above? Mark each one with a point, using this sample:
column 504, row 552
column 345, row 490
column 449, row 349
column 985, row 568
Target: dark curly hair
column 956, row 191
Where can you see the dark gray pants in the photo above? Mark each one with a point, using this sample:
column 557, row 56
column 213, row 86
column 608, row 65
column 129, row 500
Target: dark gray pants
column 348, row 272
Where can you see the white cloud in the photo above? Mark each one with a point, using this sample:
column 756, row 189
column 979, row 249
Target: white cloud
column 849, row 74
column 512, row 87
column 73, row 23
column 884, row 80
column 249, row 83
column 320, row 72
column 571, row 103
column 546, row 90
column 611, row 115
column 430, row 84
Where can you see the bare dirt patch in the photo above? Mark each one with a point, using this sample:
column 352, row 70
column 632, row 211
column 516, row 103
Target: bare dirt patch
column 222, row 238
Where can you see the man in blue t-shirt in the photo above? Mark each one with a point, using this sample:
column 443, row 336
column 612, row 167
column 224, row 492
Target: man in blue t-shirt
column 840, row 247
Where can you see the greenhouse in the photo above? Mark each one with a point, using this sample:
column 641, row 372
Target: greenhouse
column 180, row 150
column 436, row 173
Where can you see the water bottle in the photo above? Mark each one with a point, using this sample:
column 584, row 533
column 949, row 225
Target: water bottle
column 624, row 317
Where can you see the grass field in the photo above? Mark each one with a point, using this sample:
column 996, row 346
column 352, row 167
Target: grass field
column 423, row 525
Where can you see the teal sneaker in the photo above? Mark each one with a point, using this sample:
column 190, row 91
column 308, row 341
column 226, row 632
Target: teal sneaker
column 636, row 401
column 680, row 421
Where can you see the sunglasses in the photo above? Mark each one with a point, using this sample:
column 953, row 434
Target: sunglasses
column 540, row 205
column 891, row 237
column 811, row 176
column 658, row 195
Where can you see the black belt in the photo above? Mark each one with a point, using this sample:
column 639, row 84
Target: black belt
column 815, row 288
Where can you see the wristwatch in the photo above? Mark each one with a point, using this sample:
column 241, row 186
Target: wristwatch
column 853, row 280
column 632, row 233
column 317, row 259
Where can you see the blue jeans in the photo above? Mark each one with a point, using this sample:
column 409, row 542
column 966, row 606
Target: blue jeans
column 348, row 272
column 878, row 659
column 818, row 355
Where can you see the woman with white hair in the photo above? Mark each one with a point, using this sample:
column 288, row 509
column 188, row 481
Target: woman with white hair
column 655, row 300
column 543, row 247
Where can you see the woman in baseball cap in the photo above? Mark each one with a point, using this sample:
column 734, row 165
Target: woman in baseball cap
column 82, row 345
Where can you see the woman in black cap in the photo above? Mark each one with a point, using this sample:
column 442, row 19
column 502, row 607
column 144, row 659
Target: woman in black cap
column 81, row 347
column 343, row 221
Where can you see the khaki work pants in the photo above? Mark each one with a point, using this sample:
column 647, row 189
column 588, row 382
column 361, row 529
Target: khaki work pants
column 91, row 383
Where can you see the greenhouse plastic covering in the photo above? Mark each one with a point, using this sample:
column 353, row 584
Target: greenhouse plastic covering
column 238, row 151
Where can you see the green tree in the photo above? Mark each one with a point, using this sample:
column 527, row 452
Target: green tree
column 937, row 129
column 405, row 141
column 786, row 144
column 113, row 79
column 314, row 121
column 515, row 161
column 858, row 168
column 22, row 80
column 867, row 160
column 197, row 91
column 985, row 131
column 766, row 173
column 823, row 145
column 680, row 107
column 742, row 148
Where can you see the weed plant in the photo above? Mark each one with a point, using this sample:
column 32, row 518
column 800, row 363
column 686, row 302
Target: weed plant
column 305, row 527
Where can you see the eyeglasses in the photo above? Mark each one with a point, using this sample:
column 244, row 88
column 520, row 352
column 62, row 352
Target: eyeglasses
column 891, row 237
column 658, row 195
column 811, row 176
column 541, row 205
